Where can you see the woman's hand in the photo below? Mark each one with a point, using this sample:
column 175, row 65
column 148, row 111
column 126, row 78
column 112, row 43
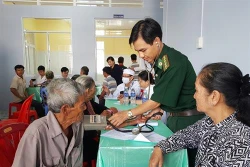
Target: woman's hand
column 156, row 159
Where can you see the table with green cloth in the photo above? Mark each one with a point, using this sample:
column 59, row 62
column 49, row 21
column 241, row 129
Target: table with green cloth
column 115, row 103
column 129, row 153
column 36, row 92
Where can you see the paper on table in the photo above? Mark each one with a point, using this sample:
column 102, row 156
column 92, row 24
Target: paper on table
column 150, row 122
column 152, row 137
column 140, row 137
column 119, row 135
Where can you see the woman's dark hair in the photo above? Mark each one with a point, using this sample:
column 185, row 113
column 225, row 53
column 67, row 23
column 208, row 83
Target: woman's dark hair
column 148, row 29
column 144, row 76
column 228, row 80
column 110, row 58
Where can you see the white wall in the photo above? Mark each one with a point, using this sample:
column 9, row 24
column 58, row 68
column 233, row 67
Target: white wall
column 226, row 31
column 83, row 34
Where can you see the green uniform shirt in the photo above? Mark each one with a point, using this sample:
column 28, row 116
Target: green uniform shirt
column 174, row 81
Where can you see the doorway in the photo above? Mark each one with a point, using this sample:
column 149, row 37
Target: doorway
column 112, row 39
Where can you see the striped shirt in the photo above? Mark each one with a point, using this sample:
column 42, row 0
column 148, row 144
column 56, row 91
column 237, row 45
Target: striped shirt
column 136, row 68
column 110, row 82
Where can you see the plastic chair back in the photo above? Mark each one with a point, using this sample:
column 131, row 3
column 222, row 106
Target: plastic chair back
column 25, row 109
column 16, row 105
column 10, row 135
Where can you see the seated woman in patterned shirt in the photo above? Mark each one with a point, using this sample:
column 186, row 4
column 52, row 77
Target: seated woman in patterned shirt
column 223, row 136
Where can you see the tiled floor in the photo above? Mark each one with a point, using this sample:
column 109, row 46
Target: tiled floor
column 3, row 114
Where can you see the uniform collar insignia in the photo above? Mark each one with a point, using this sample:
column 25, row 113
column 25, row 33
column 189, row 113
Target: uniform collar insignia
column 159, row 64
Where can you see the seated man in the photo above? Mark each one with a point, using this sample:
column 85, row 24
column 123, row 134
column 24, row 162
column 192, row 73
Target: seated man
column 18, row 89
column 43, row 90
column 108, row 83
column 84, row 70
column 128, row 81
column 64, row 72
column 40, row 79
column 56, row 140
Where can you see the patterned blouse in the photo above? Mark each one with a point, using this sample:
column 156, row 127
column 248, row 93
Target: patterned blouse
column 224, row 144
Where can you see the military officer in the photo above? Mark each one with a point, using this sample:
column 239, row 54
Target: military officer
column 174, row 80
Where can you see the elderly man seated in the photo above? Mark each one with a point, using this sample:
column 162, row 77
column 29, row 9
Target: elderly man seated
column 56, row 139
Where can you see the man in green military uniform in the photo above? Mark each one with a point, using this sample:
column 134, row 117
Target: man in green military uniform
column 174, row 80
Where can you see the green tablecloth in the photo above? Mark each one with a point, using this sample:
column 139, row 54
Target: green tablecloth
column 36, row 92
column 115, row 103
column 128, row 153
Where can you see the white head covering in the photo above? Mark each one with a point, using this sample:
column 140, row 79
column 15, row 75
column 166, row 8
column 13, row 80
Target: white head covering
column 128, row 71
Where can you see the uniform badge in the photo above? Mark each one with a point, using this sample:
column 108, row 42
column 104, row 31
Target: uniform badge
column 159, row 64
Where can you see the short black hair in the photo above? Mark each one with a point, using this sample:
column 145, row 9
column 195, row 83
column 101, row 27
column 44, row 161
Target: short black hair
column 74, row 77
column 40, row 68
column 120, row 59
column 144, row 76
column 64, row 69
column 85, row 69
column 110, row 58
column 18, row 66
column 107, row 70
column 133, row 57
column 148, row 29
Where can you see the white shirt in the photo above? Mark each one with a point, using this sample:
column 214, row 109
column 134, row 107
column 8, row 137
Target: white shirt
column 151, row 87
column 133, row 85
column 40, row 80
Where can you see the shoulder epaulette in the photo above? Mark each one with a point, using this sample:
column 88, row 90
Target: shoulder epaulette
column 165, row 62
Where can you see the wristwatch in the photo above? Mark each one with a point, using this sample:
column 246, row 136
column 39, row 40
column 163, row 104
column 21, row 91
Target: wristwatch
column 130, row 114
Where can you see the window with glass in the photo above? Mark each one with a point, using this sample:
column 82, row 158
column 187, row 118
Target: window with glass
column 47, row 42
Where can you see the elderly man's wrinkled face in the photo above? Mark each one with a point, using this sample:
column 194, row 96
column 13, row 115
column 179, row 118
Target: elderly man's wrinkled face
column 78, row 108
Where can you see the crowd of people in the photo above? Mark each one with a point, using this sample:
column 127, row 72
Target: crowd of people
column 209, row 114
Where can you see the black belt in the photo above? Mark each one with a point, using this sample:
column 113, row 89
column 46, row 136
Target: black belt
column 186, row 113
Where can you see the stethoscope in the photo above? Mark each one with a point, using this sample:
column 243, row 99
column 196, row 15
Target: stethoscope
column 138, row 129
